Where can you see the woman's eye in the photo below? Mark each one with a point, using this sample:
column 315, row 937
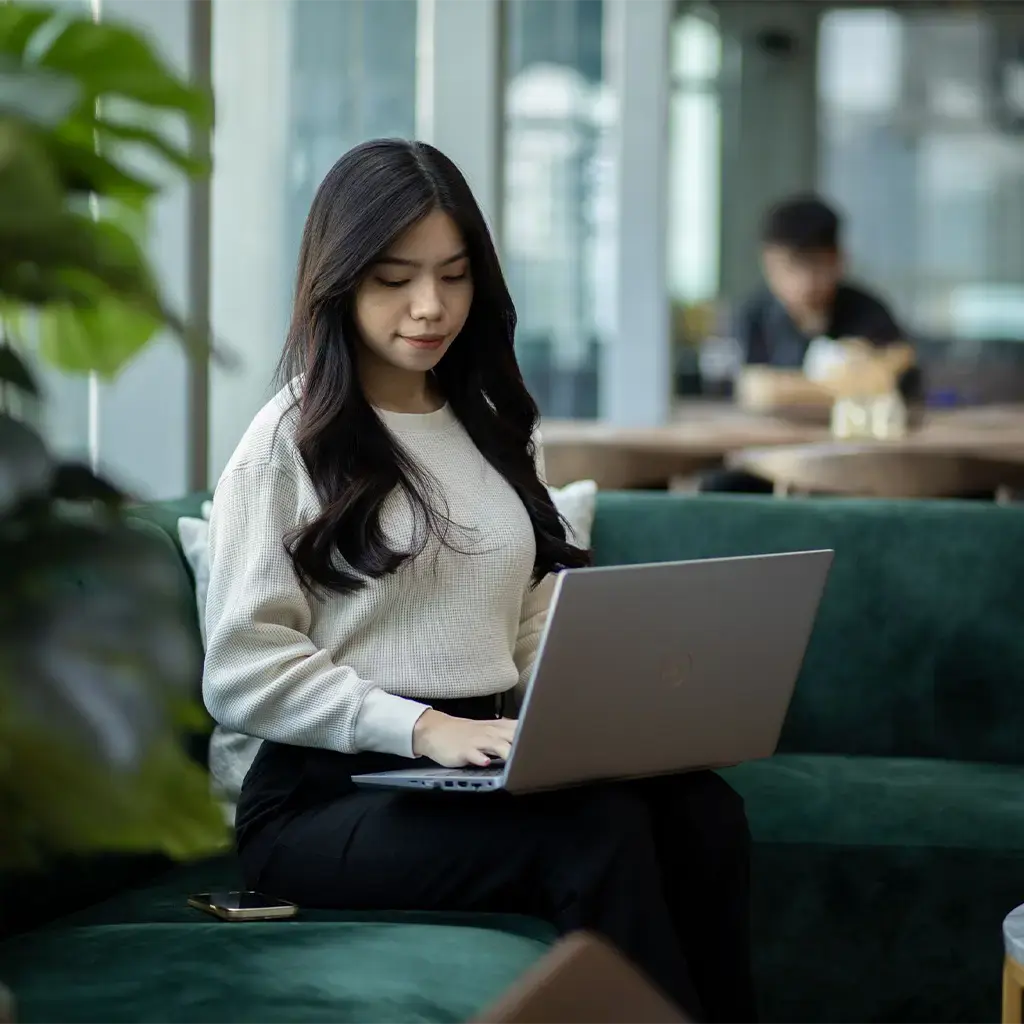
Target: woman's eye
column 452, row 278
column 392, row 284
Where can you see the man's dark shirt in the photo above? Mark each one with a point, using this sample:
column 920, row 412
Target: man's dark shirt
column 769, row 337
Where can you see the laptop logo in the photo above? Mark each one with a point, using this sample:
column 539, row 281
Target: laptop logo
column 677, row 671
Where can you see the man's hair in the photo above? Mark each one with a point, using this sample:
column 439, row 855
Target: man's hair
column 803, row 223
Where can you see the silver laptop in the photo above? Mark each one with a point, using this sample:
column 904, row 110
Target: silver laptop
column 654, row 669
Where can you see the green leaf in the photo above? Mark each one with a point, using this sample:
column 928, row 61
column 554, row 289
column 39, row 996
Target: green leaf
column 43, row 98
column 13, row 371
column 18, row 24
column 14, row 321
column 78, row 260
column 103, row 337
column 82, row 169
column 112, row 59
column 114, row 256
column 190, row 716
column 30, row 194
column 54, row 800
column 152, row 140
column 74, row 481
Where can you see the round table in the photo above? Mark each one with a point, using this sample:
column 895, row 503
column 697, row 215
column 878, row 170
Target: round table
column 1013, row 966
column 881, row 469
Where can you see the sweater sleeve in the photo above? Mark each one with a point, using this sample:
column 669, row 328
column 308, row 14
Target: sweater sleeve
column 534, row 611
column 263, row 675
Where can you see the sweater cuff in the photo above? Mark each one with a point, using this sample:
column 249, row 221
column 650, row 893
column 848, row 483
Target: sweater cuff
column 385, row 723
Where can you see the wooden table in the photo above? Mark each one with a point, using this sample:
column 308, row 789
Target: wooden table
column 874, row 470
column 704, row 433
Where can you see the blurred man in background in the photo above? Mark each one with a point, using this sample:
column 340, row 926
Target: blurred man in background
column 805, row 298
column 806, row 295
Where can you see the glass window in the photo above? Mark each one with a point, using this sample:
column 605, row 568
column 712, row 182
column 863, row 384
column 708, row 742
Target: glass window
column 918, row 148
column 298, row 82
column 558, row 204
column 694, row 196
column 353, row 78
column 694, row 160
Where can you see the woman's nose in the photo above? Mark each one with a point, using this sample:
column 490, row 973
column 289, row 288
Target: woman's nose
column 426, row 301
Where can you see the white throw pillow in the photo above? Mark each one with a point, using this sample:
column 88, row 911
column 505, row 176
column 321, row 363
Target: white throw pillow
column 230, row 753
column 194, row 536
column 576, row 502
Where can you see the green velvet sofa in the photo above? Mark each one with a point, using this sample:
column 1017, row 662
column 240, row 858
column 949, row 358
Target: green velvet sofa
column 889, row 830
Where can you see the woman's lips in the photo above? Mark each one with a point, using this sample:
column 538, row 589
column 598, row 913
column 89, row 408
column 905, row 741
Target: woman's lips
column 426, row 341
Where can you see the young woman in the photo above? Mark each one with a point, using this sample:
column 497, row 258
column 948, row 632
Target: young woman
column 382, row 551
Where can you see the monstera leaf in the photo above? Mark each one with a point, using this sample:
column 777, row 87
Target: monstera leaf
column 98, row 661
column 98, row 658
column 81, row 105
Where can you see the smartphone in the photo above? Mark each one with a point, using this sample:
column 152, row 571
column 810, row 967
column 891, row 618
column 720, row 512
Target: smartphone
column 243, row 906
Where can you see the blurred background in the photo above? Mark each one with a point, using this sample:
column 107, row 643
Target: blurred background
column 624, row 152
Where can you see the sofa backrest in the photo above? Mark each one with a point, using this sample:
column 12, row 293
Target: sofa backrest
column 161, row 519
column 918, row 649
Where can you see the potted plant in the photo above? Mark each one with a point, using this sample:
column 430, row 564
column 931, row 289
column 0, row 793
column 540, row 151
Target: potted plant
column 96, row 668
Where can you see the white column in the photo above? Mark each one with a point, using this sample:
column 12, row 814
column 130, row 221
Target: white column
column 636, row 368
column 249, row 264
column 143, row 415
column 458, row 91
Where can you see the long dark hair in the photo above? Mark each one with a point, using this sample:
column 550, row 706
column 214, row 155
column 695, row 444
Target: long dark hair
column 370, row 197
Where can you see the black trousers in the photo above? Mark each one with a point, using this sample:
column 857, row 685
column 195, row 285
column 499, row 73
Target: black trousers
column 660, row 867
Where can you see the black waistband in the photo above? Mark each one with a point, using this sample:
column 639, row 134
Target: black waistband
column 477, row 708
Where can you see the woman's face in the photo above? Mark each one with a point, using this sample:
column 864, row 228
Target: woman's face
column 412, row 304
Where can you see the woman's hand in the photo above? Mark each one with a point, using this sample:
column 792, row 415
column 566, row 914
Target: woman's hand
column 456, row 742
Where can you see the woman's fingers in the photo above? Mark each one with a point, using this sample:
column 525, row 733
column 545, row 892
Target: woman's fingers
column 494, row 740
column 499, row 748
column 507, row 727
column 492, row 743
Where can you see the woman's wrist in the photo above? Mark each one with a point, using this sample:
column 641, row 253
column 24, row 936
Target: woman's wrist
column 421, row 730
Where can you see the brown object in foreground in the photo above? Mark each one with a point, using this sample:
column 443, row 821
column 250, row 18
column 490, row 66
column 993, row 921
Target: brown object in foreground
column 879, row 470
column 583, row 980
column 1013, row 991
column 6, row 1005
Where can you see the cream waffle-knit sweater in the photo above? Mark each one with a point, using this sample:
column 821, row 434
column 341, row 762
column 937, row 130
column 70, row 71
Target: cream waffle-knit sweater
column 355, row 672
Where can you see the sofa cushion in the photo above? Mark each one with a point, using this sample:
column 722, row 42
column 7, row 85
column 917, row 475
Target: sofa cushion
column 918, row 648
column 880, row 885
column 166, row 514
column 146, row 956
column 881, row 801
column 317, row 971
